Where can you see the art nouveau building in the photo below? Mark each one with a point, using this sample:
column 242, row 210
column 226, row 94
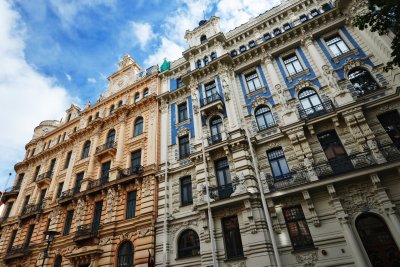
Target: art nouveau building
column 90, row 177
column 281, row 139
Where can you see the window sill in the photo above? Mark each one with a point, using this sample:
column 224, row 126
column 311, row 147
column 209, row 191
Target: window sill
column 235, row 259
column 256, row 92
column 268, row 128
column 185, row 205
column 294, row 76
column 183, row 122
column 188, row 257
column 294, row 251
column 344, row 55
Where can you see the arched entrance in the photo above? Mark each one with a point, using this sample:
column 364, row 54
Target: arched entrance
column 378, row 241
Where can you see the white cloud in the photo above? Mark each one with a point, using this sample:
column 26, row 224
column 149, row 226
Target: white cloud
column 26, row 96
column 91, row 80
column 69, row 78
column 167, row 49
column 143, row 33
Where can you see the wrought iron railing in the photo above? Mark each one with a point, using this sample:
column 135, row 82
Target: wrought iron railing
column 87, row 231
column 32, row 208
column 103, row 180
column 315, row 111
column 363, row 89
column 287, row 180
column 19, row 249
column 266, row 126
column 221, row 191
column 45, row 175
column 214, row 139
column 210, row 99
column 13, row 189
column 106, row 146
column 134, row 170
column 70, row 192
column 391, row 152
column 184, row 154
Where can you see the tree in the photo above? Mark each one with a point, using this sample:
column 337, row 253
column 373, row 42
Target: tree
column 383, row 16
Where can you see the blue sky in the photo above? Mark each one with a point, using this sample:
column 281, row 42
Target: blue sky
column 57, row 52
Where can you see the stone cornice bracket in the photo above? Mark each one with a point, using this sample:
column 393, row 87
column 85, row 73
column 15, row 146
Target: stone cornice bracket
column 303, row 83
column 352, row 63
column 306, row 38
column 311, row 208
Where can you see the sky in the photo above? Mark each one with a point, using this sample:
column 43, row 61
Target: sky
column 57, row 52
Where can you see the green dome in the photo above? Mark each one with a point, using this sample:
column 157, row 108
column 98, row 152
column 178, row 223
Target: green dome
column 165, row 66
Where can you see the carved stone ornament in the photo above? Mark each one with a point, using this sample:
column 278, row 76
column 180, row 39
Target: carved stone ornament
column 358, row 197
column 80, row 207
column 236, row 264
column 182, row 131
column 302, row 83
column 352, row 63
column 110, row 204
column 308, row 259
column 146, row 187
column 258, row 100
column 105, row 240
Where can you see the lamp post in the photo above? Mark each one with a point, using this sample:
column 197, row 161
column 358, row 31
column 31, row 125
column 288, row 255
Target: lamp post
column 50, row 235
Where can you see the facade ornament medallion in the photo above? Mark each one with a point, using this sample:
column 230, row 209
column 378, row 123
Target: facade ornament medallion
column 110, row 204
column 308, row 259
column 352, row 63
column 182, row 131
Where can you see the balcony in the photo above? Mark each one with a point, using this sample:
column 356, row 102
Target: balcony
column 316, row 111
column 108, row 148
column 68, row 195
column 44, row 178
column 98, row 183
column 211, row 103
column 221, row 191
column 391, row 152
column 86, row 232
column 17, row 252
column 31, row 210
column 288, row 180
column 10, row 192
column 134, row 170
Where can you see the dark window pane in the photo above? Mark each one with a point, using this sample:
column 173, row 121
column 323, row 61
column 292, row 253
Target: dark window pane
column 68, row 222
column 188, row 244
column 232, row 238
column 138, row 128
column 297, row 228
column 130, row 204
column 125, row 255
column 186, row 191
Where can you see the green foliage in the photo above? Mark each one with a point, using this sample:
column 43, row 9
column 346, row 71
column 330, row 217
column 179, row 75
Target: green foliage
column 383, row 16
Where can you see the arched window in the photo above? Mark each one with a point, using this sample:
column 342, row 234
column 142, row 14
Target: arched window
column 377, row 240
column 264, row 118
column 145, row 92
column 58, row 261
column 213, row 55
column 362, row 81
column 136, row 98
column 86, row 148
column 198, row 64
column 138, row 127
column 112, row 109
column 203, row 39
column 125, row 255
column 188, row 244
column 216, row 129
column 110, row 138
column 310, row 102
column 120, row 103
column 205, row 61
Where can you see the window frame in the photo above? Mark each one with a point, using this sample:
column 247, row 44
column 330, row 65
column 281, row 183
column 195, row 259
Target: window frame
column 130, row 211
column 69, row 216
column 300, row 218
column 121, row 258
column 264, row 114
column 186, row 186
column 184, row 147
column 86, row 149
column 183, row 248
column 289, row 56
column 138, row 126
column 329, row 39
column 67, row 159
column 182, row 114
column 250, row 73
column 278, row 155
column 233, row 233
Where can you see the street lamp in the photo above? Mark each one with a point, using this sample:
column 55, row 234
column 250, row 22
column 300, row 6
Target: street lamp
column 50, row 235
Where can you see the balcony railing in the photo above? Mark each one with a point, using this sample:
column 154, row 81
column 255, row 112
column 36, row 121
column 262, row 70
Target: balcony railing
column 316, row 111
column 214, row 139
column 210, row 99
column 18, row 251
column 45, row 175
column 391, row 152
column 134, row 170
column 32, row 209
column 98, row 183
column 105, row 146
column 86, row 231
column 287, row 180
column 9, row 192
column 266, row 126
column 70, row 193
column 221, row 191
column 12, row 189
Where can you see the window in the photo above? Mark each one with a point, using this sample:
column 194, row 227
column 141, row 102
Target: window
column 52, row 165
column 277, row 31
column 67, row 159
column 223, row 175
column 20, row 180
column 297, row 228
column 205, row 61
column 48, row 145
column 44, row 146
column 362, row 81
column 110, row 138
column 253, row 82
column 33, row 152
column 184, row 149
column 213, row 55
column 337, row 45
column 242, row 48
column 112, row 109
column 277, row 161
column 203, row 39
column 303, row 18
column 326, row 7
column 264, row 118
column 390, row 121
column 136, row 162
column 26, row 201
column 90, row 119
column 58, row 261
column 286, row 26
column 97, row 115
column 216, row 130
column 188, row 244
column 105, row 171
column 98, row 207
column 232, row 238
column 136, row 98
column 130, row 204
column 86, row 149
column 125, row 255
column 36, row 172
column 8, row 210
column 59, row 189
column 314, row 13
column 186, row 191
column 311, row 103
column 68, row 222
column 64, row 136
column 78, row 182
column 29, row 235
column 267, row 36
column 233, row 53
column 292, row 64
column 145, row 92
column 182, row 112
column 211, row 91
column 179, row 82
column 12, row 239
column 252, row 43
column 69, row 117
column 138, row 127
column 41, row 198
column 198, row 64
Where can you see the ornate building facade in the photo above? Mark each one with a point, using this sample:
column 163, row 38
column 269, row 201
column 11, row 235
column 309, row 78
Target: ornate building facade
column 274, row 144
column 91, row 178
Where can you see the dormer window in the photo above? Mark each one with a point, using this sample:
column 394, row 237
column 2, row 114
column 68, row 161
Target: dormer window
column 252, row 44
column 69, row 117
column 205, row 61
column 242, row 49
column 303, row 18
column 203, row 39
column 277, row 31
column 198, row 64
column 267, row 36
column 326, row 7
column 213, row 55
column 286, row 26
column 314, row 13
column 233, row 53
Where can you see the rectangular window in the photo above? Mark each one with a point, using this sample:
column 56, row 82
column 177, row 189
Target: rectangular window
column 292, row 64
column 232, row 238
column 253, row 82
column 186, row 191
column 337, row 45
column 98, row 207
column 136, row 158
column 26, row 201
column 390, row 121
column 130, row 204
column 20, row 179
column 303, row 18
column 184, row 148
column 8, row 210
column 179, row 82
column 29, row 235
column 12, row 239
column 52, row 164
column 68, row 222
column 297, row 228
column 42, row 196
column 67, row 159
column 224, row 181
column 182, row 112
column 211, row 91
column 105, row 171
column 59, row 189
column 36, row 174
column 277, row 161
column 78, row 182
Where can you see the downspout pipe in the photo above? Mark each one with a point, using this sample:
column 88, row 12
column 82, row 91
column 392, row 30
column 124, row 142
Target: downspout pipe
column 165, row 224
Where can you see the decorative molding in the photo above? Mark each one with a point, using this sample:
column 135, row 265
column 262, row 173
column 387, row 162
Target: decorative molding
column 308, row 259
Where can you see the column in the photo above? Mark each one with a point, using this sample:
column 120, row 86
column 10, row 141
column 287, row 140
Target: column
column 351, row 240
column 314, row 53
column 271, row 70
column 229, row 100
column 67, row 181
column 164, row 125
column 120, row 144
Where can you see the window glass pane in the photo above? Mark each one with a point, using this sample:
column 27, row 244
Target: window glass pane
column 284, row 166
column 250, row 84
column 290, row 69
column 305, row 103
column 261, row 122
column 343, row 47
column 257, row 83
column 275, row 168
column 335, row 50
column 315, row 101
column 297, row 66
